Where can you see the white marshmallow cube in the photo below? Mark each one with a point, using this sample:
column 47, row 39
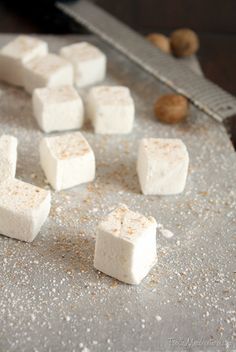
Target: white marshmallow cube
column 67, row 160
column 58, row 108
column 88, row 61
column 8, row 157
column 111, row 109
column 126, row 245
column 23, row 209
column 162, row 166
column 47, row 71
column 18, row 52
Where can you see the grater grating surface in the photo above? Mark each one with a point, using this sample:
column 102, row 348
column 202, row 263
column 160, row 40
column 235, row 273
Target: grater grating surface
column 203, row 93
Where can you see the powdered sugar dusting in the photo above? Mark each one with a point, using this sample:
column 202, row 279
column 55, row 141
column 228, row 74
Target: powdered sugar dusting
column 167, row 233
column 51, row 298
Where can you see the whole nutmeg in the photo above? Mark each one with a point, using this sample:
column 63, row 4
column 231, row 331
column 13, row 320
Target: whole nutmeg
column 171, row 108
column 160, row 41
column 184, row 42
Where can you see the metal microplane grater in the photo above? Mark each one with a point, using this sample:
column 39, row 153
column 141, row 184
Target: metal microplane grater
column 203, row 93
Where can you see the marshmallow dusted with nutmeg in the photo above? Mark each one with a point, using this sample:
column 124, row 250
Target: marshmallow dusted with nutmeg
column 15, row 54
column 48, row 71
column 88, row 61
column 8, row 157
column 67, row 160
column 162, row 166
column 126, row 245
column 58, row 108
column 23, row 209
column 111, row 109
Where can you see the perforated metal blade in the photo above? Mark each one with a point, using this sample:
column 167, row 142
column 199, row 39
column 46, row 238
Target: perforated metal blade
column 203, row 93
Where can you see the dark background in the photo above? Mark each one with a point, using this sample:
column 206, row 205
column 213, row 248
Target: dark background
column 213, row 20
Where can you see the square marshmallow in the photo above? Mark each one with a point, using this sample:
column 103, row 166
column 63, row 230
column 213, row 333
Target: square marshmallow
column 67, row 160
column 162, row 166
column 88, row 61
column 23, row 209
column 8, row 157
column 126, row 245
column 47, row 71
column 111, row 109
column 16, row 53
column 58, row 108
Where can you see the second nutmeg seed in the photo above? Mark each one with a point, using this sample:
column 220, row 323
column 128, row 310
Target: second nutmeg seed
column 182, row 42
column 160, row 41
column 171, row 108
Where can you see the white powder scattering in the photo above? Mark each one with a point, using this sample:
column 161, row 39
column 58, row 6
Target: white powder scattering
column 158, row 318
column 166, row 233
column 200, row 282
column 85, row 349
column 160, row 226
